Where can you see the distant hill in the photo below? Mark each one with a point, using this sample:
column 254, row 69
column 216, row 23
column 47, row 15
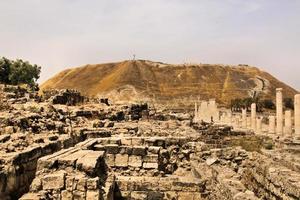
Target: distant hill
column 177, row 85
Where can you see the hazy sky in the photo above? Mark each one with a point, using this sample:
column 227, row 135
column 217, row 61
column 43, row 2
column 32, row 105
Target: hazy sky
column 59, row 34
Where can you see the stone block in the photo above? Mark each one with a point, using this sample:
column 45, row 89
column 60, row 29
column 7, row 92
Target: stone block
column 170, row 195
column 112, row 148
column 110, row 159
column 137, row 141
column 135, row 161
column 92, row 183
column 154, row 149
column 121, row 160
column 185, row 195
column 54, row 181
column 126, row 141
column 99, row 147
column 30, row 196
column 139, row 150
column 125, row 194
column 150, row 165
column 122, row 182
column 155, row 195
column 90, row 162
column 70, row 160
column 92, row 195
column 165, row 185
column 78, row 195
column 81, row 184
column 126, row 150
column 70, row 186
column 150, row 158
column 66, row 195
column 36, row 185
column 138, row 195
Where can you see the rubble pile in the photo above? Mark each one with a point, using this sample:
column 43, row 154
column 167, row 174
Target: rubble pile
column 67, row 96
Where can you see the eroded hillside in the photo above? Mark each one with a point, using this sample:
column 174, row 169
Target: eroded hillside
column 167, row 83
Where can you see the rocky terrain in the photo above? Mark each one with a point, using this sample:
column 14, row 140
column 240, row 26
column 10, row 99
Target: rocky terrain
column 174, row 86
column 66, row 146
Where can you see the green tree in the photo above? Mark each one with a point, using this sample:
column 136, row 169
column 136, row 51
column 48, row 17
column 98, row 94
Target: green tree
column 4, row 70
column 19, row 72
column 24, row 72
column 288, row 103
column 268, row 104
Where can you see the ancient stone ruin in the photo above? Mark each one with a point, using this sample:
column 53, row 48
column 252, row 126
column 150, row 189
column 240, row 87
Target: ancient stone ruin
column 64, row 147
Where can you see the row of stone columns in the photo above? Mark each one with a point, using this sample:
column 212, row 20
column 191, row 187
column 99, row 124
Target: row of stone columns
column 283, row 122
column 279, row 124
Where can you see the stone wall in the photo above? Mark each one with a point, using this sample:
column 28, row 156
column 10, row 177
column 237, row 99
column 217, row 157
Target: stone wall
column 18, row 168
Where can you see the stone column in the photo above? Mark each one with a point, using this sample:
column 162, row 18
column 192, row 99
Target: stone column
column 248, row 122
column 244, row 118
column 272, row 124
column 279, row 111
column 288, row 122
column 237, row 121
column 253, row 116
column 258, row 125
column 229, row 118
column 196, row 113
column 297, row 114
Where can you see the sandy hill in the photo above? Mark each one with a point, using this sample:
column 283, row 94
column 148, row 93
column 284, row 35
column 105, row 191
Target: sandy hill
column 167, row 83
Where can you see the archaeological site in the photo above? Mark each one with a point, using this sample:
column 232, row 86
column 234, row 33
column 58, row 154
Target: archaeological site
column 64, row 144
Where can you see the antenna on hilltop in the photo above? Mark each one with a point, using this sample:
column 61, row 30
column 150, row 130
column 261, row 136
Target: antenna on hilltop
column 133, row 57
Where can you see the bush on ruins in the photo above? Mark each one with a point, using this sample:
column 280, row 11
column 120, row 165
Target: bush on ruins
column 18, row 72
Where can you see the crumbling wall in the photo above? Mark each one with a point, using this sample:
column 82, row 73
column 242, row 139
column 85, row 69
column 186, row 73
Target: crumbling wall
column 67, row 96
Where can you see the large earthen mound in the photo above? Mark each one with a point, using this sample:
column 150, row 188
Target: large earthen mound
column 167, row 83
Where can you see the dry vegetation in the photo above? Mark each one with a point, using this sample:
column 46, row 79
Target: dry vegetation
column 144, row 79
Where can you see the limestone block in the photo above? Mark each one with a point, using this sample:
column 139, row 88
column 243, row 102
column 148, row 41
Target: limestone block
column 154, row 149
column 78, row 195
column 69, row 160
column 90, row 162
column 197, row 196
column 137, row 141
column 99, row 147
column 155, row 195
column 125, row 194
column 135, row 161
column 150, row 165
column 110, row 159
column 126, row 141
column 150, row 158
column 138, row 195
column 92, row 183
column 164, row 184
column 92, row 195
column 169, row 195
column 126, row 150
column 81, row 184
column 66, row 195
column 121, row 160
column 30, row 196
column 36, row 185
column 70, row 183
column 185, row 195
column 138, row 150
column 112, row 148
column 54, row 181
